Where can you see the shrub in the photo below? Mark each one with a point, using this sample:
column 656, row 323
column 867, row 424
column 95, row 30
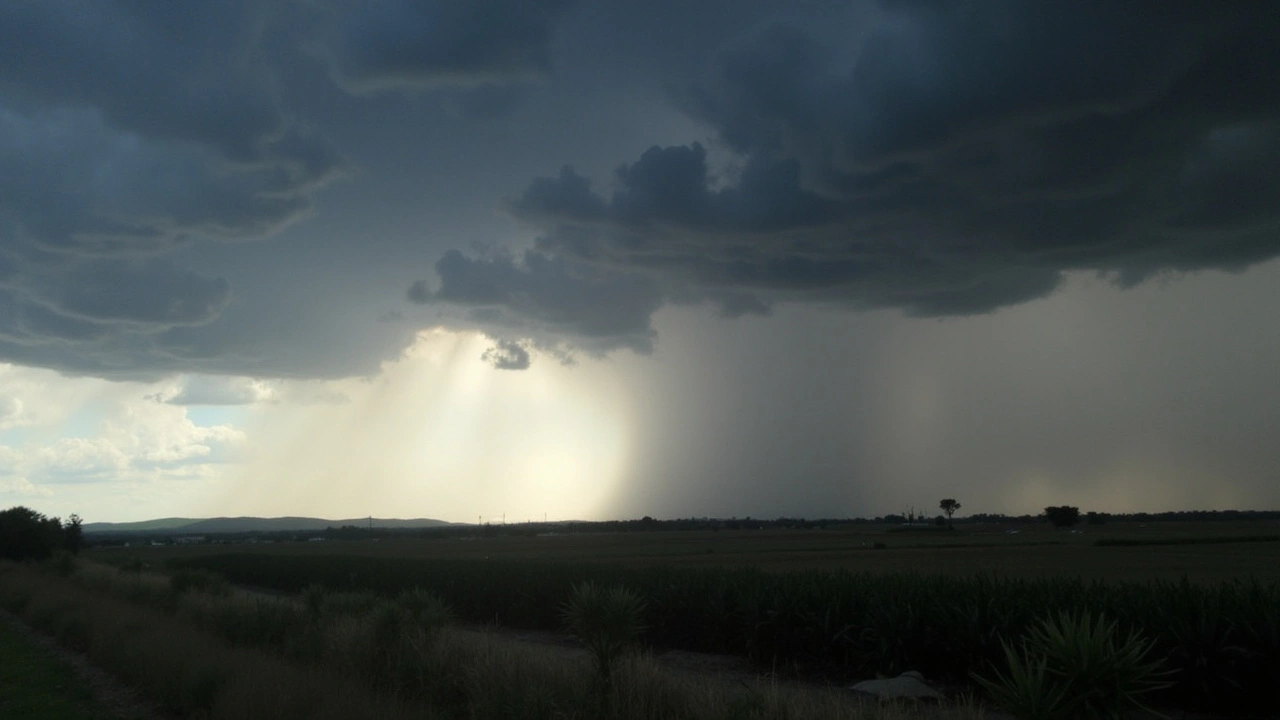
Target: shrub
column 203, row 581
column 64, row 562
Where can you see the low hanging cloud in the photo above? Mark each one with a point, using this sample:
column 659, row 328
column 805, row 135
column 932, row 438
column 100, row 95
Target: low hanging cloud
column 545, row 299
column 960, row 161
column 417, row 44
column 507, row 355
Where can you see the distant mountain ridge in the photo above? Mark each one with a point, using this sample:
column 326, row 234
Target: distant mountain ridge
column 202, row 526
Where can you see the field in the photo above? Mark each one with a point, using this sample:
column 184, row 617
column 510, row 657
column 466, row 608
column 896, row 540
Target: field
column 195, row 647
column 840, row 603
column 1036, row 551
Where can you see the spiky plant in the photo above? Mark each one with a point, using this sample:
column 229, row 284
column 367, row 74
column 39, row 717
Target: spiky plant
column 1027, row 689
column 608, row 621
column 1075, row 665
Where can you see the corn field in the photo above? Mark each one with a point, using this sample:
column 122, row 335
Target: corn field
column 1221, row 641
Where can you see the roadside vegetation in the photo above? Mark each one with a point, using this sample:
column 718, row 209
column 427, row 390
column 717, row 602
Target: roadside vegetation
column 200, row 648
column 1220, row 642
column 391, row 626
column 37, row 685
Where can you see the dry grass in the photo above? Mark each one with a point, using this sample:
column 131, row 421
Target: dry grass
column 229, row 655
column 184, row 669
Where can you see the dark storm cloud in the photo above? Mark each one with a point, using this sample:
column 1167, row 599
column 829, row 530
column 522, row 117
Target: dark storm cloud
column 71, row 183
column 154, row 295
column 507, row 355
column 131, row 132
column 547, row 299
column 412, row 44
column 127, row 131
column 948, row 159
column 164, row 70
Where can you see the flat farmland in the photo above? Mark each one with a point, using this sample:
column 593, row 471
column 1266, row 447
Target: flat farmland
column 1202, row 552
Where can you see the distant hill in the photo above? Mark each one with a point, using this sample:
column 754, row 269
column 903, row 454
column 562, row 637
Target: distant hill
column 143, row 526
column 209, row 526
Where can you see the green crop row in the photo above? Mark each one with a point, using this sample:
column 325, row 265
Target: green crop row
column 1221, row 642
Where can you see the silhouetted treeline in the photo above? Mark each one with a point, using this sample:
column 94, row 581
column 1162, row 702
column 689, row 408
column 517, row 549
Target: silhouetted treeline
column 28, row 535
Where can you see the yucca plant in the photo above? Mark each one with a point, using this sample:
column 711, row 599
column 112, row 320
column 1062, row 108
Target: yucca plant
column 1107, row 675
column 608, row 622
column 1074, row 665
column 1027, row 689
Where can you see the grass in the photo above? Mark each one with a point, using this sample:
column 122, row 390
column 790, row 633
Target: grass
column 185, row 670
column 37, row 685
column 1204, row 591
column 176, row 652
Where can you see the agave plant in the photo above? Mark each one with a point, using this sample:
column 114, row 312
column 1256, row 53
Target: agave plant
column 606, row 620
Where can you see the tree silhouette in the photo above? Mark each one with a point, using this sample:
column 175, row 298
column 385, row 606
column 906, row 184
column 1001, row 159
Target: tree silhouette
column 74, row 534
column 1062, row 516
column 27, row 535
column 949, row 506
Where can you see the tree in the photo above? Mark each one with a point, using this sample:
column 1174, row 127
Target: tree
column 949, row 506
column 74, row 534
column 1064, row 516
column 27, row 535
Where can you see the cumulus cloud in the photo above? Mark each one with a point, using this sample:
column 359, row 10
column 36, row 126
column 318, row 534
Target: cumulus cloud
column 21, row 487
column 414, row 44
column 79, row 460
column 62, row 432
column 136, row 439
column 960, row 160
column 13, row 412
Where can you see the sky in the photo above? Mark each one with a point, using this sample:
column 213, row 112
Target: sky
column 596, row 259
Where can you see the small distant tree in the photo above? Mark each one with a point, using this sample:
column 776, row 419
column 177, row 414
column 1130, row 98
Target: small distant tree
column 949, row 506
column 27, row 535
column 74, row 534
column 1062, row 516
